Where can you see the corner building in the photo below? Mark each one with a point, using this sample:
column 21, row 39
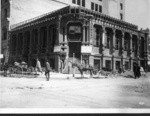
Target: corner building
column 91, row 37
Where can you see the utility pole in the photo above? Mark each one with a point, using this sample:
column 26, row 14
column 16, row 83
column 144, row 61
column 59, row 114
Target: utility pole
column 73, row 63
column 1, row 56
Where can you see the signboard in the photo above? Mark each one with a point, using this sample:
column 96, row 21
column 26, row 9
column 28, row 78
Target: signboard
column 86, row 49
column 1, row 56
column 148, row 62
column 57, row 49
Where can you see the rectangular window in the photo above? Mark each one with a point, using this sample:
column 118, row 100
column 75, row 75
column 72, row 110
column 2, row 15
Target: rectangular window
column 5, row 36
column 100, row 8
column 117, row 43
column 117, row 65
column 78, row 2
column 133, row 45
column 121, row 6
column 108, row 42
column 121, row 16
column 126, row 65
column 108, row 64
column 83, row 3
column 97, row 64
column 126, row 44
column 74, row 1
column 92, row 6
column 96, row 7
column 5, row 13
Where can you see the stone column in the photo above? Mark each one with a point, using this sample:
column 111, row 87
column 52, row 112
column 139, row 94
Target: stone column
column 91, row 32
column 30, row 48
column 47, row 45
column 83, row 34
column 114, row 40
column 104, row 38
column 58, row 27
column 23, row 47
column 123, row 39
column 22, row 44
column 131, row 52
column 38, row 45
column 113, row 48
column 123, row 48
column 17, row 44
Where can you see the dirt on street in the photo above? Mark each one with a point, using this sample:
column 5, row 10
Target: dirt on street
column 74, row 93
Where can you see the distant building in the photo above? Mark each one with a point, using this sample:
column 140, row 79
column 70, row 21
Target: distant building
column 114, row 8
column 5, row 25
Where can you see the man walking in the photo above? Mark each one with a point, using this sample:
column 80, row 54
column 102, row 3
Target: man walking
column 47, row 70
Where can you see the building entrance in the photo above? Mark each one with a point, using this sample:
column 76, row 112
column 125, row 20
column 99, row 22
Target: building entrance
column 75, row 47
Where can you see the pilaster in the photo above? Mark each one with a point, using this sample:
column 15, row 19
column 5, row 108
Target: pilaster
column 38, row 46
column 114, row 41
column 104, row 35
column 47, row 44
column 123, row 43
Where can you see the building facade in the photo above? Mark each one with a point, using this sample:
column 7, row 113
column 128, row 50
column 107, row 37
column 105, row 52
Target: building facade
column 114, row 8
column 92, row 38
column 5, row 25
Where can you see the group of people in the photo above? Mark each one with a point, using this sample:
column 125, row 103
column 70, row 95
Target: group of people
column 47, row 68
column 38, row 67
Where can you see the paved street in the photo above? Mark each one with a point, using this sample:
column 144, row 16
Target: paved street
column 64, row 92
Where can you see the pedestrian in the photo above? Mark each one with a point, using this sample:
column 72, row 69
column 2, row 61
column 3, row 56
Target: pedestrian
column 38, row 65
column 135, row 70
column 47, row 70
column 138, row 71
column 5, row 68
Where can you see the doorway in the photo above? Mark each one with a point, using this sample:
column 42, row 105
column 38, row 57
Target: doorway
column 75, row 47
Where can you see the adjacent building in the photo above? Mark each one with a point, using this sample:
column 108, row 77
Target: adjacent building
column 5, row 27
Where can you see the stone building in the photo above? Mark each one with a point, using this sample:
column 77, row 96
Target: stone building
column 5, row 25
column 91, row 37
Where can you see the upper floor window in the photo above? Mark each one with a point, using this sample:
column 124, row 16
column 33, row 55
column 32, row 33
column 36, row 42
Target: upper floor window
column 118, row 64
column 96, row 7
column 108, row 42
column 5, row 13
column 121, row 6
column 97, row 36
column 121, row 16
column 78, row 2
column 92, row 6
column 117, row 43
column 83, row 3
column 100, row 8
column 126, row 44
column 74, row 1
column 100, row 0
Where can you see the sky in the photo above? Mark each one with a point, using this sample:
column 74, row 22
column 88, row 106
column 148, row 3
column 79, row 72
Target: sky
column 138, row 12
